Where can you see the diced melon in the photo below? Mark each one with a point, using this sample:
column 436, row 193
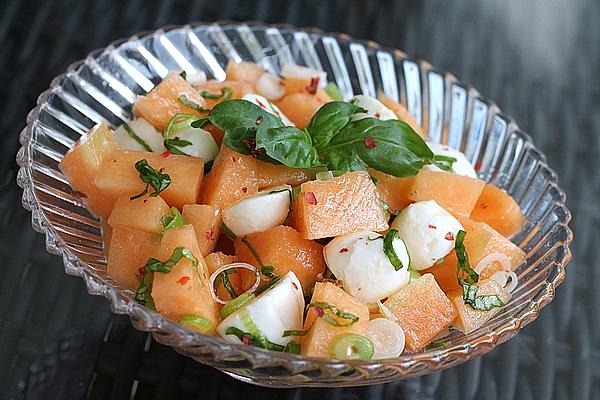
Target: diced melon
column 238, row 89
column 144, row 213
column 243, row 71
column 215, row 261
column 499, row 210
column 129, row 250
column 393, row 190
column 119, row 178
column 322, row 96
column 500, row 244
column 402, row 113
column 82, row 163
column 422, row 310
column 457, row 194
column 286, row 250
column 163, row 102
column 206, row 221
column 231, row 178
column 468, row 318
column 270, row 175
column 343, row 204
column 106, row 235
column 300, row 107
column 320, row 332
column 184, row 290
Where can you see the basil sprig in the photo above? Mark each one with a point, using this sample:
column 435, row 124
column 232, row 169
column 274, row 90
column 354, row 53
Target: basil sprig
column 388, row 248
column 322, row 306
column 151, row 177
column 467, row 278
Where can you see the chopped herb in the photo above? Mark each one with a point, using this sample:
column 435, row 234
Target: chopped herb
column 151, row 177
column 224, row 278
column 296, row 192
column 259, row 341
column 227, row 232
column 292, row 347
column 173, row 146
column 197, row 322
column 199, row 123
column 226, row 93
column 266, row 270
column 388, row 248
column 173, row 220
column 444, row 163
column 184, row 100
column 136, row 137
column 437, row 345
column 143, row 294
column 294, row 332
column 183, row 74
column 321, row 306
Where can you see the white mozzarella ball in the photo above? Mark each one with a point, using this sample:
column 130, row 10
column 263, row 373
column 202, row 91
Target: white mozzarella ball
column 278, row 309
column 202, row 145
column 300, row 72
column 359, row 261
column 145, row 131
column 269, row 86
column 387, row 337
column 374, row 107
column 265, row 210
column 462, row 166
column 266, row 105
column 429, row 232
column 197, row 78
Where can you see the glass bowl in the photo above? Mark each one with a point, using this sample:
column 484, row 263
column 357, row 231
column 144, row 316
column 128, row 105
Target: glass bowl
column 104, row 85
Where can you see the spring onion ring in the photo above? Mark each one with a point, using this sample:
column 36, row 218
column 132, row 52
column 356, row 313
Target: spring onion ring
column 226, row 267
column 491, row 258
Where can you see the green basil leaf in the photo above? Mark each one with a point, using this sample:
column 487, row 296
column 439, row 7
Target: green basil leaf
column 480, row 303
column 184, row 100
column 173, row 220
column 463, row 267
column 388, row 248
column 136, row 137
column 173, row 146
column 151, row 177
column 165, row 266
column 225, row 94
column 328, row 120
column 322, row 306
column 288, row 145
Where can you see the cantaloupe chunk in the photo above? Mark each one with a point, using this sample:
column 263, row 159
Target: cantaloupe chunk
column 422, row 310
column 500, row 244
column 231, row 178
column 320, row 332
column 499, row 210
column 206, row 221
column 343, row 204
column 286, row 250
column 119, row 178
column 163, row 102
column 455, row 193
column 270, row 175
column 144, row 213
column 215, row 261
column 393, row 190
column 184, row 290
column 300, row 107
column 468, row 318
column 106, row 235
column 238, row 89
column 130, row 248
column 243, row 71
column 402, row 113
column 82, row 163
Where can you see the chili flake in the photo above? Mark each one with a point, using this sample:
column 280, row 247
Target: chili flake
column 261, row 104
column 244, row 189
column 294, row 285
column 319, row 311
column 449, row 236
column 344, row 250
column 311, row 198
column 370, row 142
column 432, row 226
column 312, row 87
column 165, row 154
column 478, row 166
column 183, row 280
column 209, row 235
column 246, row 340
column 377, row 115
column 80, row 194
column 141, row 271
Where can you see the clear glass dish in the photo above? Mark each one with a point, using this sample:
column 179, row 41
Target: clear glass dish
column 104, row 85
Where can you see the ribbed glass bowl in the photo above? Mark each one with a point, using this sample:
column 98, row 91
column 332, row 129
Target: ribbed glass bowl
column 104, row 86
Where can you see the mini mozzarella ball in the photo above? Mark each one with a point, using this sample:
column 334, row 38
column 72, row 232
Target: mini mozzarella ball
column 265, row 210
column 429, row 232
column 202, row 145
column 358, row 260
column 374, row 107
column 279, row 309
column 462, row 166
column 269, row 86
column 387, row 337
column 145, row 131
column 300, row 72
column 197, row 78
column 266, row 105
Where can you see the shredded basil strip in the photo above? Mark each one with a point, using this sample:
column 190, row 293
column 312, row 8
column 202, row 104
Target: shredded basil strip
column 437, row 345
column 173, row 220
column 336, row 311
column 143, row 294
column 136, row 137
column 388, row 248
column 184, row 100
column 224, row 278
column 151, row 177
column 292, row 347
column 258, row 341
column 173, row 146
column 294, row 332
column 227, row 232
column 226, row 93
column 445, row 163
column 266, row 270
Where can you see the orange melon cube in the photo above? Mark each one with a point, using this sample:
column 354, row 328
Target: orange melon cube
column 206, row 221
column 422, row 310
column 231, row 178
column 129, row 250
column 82, row 163
column 500, row 244
column 300, row 107
column 215, row 261
column 270, row 175
column 468, row 318
column 163, row 102
column 393, row 190
column 455, row 193
column 402, row 113
column 243, row 71
column 119, row 178
column 499, row 210
column 343, row 204
column 286, row 250
column 106, row 236
column 320, row 332
column 144, row 213
column 238, row 90
column 184, row 290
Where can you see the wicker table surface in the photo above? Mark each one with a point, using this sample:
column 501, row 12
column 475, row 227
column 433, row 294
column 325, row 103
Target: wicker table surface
column 538, row 59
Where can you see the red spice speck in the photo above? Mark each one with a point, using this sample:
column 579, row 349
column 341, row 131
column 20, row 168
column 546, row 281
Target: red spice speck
column 384, row 300
column 260, row 120
column 312, row 87
column 377, row 115
column 80, row 194
column 246, row 340
column 311, row 198
column 244, row 189
column 370, row 142
column 141, row 271
column 165, row 154
column 161, row 170
column 319, row 311
column 294, row 285
column 261, row 104
column 483, row 206
column 209, row 235
column 183, row 280
column 478, row 166
column 432, row 226
column 449, row 236
column 344, row 250
column 233, row 158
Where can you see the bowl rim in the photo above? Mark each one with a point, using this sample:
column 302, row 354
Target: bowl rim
column 55, row 245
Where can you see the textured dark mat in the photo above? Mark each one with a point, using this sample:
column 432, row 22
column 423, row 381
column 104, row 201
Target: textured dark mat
column 538, row 59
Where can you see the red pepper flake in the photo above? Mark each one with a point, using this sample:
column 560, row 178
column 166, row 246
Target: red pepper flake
column 377, row 115
column 384, row 300
column 165, row 154
column 319, row 311
column 449, row 236
column 244, row 189
column 246, row 340
column 294, row 285
column 141, row 271
column 370, row 142
column 344, row 250
column 432, row 226
column 312, row 87
column 233, row 158
column 183, row 280
column 209, row 235
column 161, row 170
column 311, row 198
column 80, row 194
column 261, row 104
column 483, row 206
column 260, row 120
column 478, row 166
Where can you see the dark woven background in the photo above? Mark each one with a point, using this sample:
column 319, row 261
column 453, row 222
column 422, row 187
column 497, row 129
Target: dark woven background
column 539, row 59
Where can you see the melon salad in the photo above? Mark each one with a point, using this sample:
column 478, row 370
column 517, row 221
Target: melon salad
column 267, row 210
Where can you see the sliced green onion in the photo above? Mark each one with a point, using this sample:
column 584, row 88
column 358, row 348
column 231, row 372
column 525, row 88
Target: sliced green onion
column 322, row 306
column 236, row 304
column 136, row 137
column 184, row 100
column 351, row 346
column 197, row 322
column 226, row 93
column 180, row 123
column 292, row 347
column 294, row 332
column 324, row 175
column 173, row 220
